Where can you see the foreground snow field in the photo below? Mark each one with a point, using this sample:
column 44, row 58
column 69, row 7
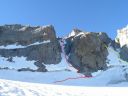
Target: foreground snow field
column 16, row 88
column 114, row 76
column 62, row 80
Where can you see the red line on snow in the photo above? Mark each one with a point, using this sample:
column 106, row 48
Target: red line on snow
column 72, row 78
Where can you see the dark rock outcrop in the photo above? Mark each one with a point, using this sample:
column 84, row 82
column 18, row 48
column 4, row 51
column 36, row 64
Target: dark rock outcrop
column 25, row 35
column 87, row 52
column 42, row 53
column 124, row 53
column 104, row 38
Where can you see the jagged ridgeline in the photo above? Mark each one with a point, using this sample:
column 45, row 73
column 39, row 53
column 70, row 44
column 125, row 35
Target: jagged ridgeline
column 37, row 48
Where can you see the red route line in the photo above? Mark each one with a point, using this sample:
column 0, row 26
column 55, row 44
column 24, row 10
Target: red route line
column 72, row 78
column 70, row 65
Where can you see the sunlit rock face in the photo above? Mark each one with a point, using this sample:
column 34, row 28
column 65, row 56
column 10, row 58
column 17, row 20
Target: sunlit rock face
column 122, row 36
column 34, row 43
column 87, row 51
column 122, row 39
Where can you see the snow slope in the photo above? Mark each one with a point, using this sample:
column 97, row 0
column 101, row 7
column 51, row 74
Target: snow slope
column 15, row 46
column 56, row 82
column 17, row 63
column 114, row 76
column 114, row 58
column 16, row 88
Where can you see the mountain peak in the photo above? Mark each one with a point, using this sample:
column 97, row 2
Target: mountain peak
column 74, row 32
column 122, row 36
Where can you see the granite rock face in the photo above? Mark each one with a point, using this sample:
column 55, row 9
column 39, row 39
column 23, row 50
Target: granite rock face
column 87, row 51
column 46, row 51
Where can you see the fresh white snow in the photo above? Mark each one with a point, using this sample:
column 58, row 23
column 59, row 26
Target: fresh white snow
column 14, row 46
column 17, row 63
column 105, row 83
column 15, row 88
column 56, row 67
column 110, row 77
column 73, row 33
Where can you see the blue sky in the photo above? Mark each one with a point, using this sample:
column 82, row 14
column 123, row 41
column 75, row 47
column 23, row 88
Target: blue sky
column 88, row 15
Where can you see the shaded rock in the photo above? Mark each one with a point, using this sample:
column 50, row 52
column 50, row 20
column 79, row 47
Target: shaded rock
column 26, row 69
column 41, row 69
column 10, row 59
column 5, row 68
column 87, row 52
column 124, row 53
column 115, row 45
column 43, row 52
column 74, row 32
column 104, row 38
column 46, row 53
column 122, row 36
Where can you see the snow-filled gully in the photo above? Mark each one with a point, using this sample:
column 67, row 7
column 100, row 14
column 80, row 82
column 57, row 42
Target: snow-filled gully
column 70, row 65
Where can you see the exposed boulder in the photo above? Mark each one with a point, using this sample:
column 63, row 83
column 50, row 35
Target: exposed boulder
column 87, row 51
column 104, row 38
column 25, row 69
column 37, row 43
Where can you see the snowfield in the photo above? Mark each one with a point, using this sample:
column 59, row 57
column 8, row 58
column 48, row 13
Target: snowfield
column 63, row 80
column 16, row 88
column 112, row 77
column 17, row 63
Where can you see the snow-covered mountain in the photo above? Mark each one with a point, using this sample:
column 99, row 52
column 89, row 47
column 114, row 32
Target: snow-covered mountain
column 79, row 61
column 122, row 36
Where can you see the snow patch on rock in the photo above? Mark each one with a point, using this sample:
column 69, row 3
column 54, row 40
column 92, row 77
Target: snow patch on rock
column 15, row 46
column 17, row 63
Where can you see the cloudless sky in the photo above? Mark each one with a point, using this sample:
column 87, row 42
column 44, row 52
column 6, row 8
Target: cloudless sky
column 88, row 15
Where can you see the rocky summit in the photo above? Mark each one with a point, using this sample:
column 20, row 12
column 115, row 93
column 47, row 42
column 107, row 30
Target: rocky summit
column 87, row 51
column 37, row 48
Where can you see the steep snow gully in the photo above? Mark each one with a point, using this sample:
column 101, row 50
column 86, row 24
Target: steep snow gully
column 65, row 74
column 113, row 55
column 69, row 65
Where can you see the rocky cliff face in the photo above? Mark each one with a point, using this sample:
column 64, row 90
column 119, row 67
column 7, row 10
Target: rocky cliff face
column 27, row 48
column 34, row 43
column 87, row 51
column 122, row 39
column 25, row 35
column 122, row 36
